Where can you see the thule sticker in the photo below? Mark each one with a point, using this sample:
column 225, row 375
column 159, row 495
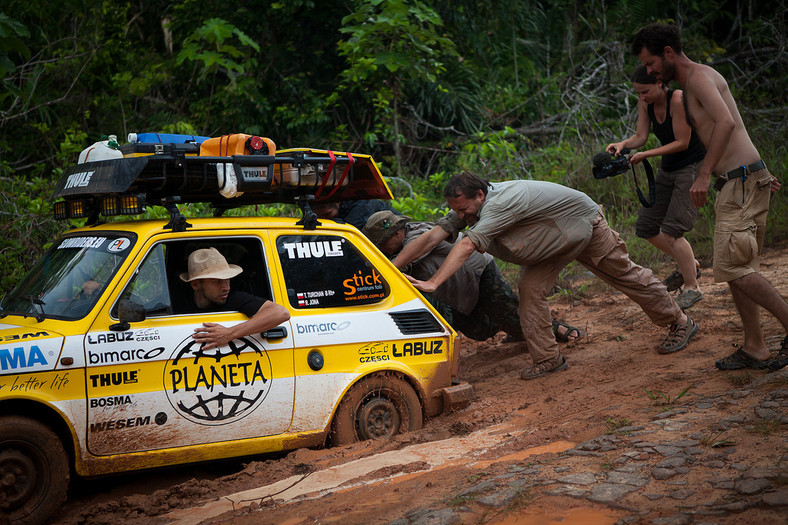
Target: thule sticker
column 313, row 249
column 79, row 180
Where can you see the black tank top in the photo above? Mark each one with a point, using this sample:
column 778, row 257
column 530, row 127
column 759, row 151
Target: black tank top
column 664, row 132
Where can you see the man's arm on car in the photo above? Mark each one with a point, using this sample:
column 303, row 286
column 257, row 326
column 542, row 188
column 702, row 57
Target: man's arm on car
column 270, row 315
column 457, row 256
column 419, row 246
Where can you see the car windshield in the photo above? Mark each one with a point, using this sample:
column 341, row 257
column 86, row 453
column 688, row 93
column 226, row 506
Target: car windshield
column 70, row 278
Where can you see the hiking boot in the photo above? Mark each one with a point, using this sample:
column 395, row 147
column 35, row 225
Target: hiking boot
column 740, row 359
column 545, row 367
column 687, row 298
column 678, row 337
column 781, row 359
column 676, row 280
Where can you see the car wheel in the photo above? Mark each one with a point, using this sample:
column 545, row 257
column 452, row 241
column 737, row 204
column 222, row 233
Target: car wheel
column 377, row 407
column 33, row 470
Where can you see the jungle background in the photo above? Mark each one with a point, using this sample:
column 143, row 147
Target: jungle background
column 508, row 89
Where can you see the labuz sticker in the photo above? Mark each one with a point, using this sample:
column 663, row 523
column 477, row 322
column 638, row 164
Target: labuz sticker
column 217, row 386
column 417, row 348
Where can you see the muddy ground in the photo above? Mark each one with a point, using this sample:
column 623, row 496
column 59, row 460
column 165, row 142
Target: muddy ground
column 624, row 435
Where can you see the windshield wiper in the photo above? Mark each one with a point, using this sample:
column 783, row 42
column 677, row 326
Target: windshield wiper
column 38, row 307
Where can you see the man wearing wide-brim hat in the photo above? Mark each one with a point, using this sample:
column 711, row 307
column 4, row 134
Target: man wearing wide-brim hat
column 209, row 276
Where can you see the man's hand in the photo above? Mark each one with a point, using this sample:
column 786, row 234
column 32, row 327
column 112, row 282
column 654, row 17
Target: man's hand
column 90, row 287
column 775, row 186
column 213, row 335
column 615, row 148
column 424, row 286
column 699, row 190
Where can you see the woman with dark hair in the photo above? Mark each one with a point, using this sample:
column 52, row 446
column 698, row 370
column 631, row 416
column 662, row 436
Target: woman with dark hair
column 662, row 111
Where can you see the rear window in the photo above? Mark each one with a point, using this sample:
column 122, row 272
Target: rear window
column 324, row 271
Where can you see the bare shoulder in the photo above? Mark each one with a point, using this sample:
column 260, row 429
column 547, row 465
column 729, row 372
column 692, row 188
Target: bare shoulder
column 704, row 81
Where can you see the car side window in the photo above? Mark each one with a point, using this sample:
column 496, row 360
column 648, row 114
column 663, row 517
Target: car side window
column 148, row 287
column 246, row 252
column 324, row 271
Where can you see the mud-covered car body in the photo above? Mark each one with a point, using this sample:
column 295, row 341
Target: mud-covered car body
column 112, row 371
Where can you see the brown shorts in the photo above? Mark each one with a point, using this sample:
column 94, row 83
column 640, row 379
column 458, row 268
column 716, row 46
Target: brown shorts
column 673, row 212
column 740, row 225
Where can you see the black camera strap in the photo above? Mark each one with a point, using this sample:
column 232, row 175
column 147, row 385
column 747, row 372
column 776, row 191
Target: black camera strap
column 652, row 187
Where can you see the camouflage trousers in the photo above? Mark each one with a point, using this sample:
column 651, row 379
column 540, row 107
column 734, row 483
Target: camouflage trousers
column 496, row 311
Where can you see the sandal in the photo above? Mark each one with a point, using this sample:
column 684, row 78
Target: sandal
column 678, row 337
column 781, row 359
column 676, row 280
column 740, row 359
column 545, row 367
column 570, row 333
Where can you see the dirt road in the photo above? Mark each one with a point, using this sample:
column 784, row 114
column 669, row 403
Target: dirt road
column 624, row 435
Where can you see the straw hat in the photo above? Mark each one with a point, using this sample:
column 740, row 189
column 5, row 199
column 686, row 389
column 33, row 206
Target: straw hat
column 382, row 225
column 208, row 263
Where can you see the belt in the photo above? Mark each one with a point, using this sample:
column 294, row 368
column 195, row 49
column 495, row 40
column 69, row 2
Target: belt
column 739, row 173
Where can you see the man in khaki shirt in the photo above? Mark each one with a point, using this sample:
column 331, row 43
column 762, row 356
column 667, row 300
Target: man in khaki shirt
column 744, row 186
column 542, row 226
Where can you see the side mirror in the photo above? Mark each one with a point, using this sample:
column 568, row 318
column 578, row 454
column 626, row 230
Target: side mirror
column 128, row 312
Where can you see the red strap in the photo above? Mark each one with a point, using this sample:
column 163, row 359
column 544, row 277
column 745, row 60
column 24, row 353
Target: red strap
column 328, row 172
column 350, row 163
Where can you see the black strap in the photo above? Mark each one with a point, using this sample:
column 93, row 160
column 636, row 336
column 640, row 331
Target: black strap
column 652, row 187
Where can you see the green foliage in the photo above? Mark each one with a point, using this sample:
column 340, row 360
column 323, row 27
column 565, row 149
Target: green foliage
column 510, row 90
column 11, row 43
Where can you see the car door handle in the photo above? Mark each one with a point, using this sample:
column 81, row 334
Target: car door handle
column 280, row 332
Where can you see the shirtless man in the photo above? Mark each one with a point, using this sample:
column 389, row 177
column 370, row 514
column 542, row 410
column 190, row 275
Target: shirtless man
column 744, row 184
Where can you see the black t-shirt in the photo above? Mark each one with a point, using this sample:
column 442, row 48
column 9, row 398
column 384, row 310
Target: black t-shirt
column 664, row 132
column 243, row 302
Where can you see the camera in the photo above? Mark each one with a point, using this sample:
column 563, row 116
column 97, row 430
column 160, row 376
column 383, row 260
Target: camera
column 606, row 165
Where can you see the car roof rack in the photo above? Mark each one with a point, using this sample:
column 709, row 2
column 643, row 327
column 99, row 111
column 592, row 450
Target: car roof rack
column 177, row 173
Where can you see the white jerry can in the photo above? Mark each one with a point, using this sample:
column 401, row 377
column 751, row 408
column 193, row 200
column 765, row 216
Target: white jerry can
column 101, row 150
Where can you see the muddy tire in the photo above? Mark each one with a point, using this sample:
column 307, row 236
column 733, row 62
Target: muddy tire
column 377, row 407
column 33, row 471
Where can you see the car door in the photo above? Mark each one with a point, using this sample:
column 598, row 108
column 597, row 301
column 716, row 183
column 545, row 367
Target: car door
column 151, row 386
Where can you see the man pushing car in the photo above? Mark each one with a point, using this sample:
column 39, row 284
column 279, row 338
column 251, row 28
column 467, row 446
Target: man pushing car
column 542, row 227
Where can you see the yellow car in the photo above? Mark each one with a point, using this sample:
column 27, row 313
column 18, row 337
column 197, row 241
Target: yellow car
column 99, row 372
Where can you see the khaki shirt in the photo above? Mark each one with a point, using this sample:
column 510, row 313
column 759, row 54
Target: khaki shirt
column 528, row 222
column 461, row 290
